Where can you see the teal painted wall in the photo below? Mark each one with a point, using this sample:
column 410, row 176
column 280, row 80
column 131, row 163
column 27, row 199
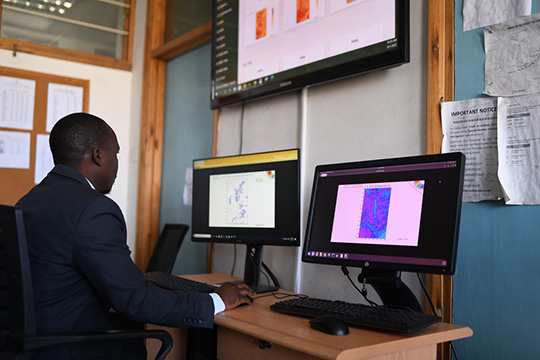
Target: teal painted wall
column 497, row 280
column 187, row 136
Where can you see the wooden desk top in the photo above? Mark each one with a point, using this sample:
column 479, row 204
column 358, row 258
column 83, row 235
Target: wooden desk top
column 258, row 321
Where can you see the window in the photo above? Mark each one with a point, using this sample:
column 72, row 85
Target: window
column 97, row 30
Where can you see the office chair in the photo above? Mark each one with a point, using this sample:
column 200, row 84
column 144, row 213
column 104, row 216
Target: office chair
column 18, row 336
column 167, row 247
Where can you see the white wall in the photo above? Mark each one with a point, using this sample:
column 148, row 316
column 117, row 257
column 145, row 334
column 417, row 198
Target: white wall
column 378, row 115
column 114, row 96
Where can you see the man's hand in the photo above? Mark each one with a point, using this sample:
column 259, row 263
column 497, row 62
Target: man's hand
column 235, row 294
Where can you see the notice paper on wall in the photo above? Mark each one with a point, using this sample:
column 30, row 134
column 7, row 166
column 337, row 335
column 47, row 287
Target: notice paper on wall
column 512, row 65
column 519, row 149
column 61, row 101
column 470, row 127
column 17, row 103
column 14, row 150
column 44, row 159
column 480, row 13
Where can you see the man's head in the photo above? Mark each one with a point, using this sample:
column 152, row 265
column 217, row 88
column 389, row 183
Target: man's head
column 86, row 143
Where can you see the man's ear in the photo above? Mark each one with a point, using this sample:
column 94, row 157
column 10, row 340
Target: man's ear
column 97, row 156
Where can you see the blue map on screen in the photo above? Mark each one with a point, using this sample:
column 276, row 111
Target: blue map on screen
column 374, row 218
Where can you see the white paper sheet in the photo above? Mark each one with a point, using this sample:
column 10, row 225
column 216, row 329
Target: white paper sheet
column 61, row 101
column 470, row 127
column 14, row 149
column 480, row 13
column 188, row 187
column 44, row 159
column 17, row 103
column 519, row 149
column 512, row 65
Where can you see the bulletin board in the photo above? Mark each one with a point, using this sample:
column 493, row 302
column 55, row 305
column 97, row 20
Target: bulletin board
column 17, row 180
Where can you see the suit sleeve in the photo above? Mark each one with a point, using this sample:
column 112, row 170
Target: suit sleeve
column 100, row 252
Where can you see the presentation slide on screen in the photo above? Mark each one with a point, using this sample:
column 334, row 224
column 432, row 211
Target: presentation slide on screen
column 243, row 200
column 378, row 213
column 275, row 36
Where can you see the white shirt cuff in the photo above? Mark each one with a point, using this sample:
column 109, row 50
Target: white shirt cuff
column 219, row 305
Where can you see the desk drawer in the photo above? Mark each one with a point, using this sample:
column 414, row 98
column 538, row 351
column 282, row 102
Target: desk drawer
column 233, row 345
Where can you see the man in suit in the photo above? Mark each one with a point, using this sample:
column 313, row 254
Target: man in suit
column 81, row 264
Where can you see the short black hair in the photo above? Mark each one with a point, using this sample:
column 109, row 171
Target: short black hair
column 74, row 135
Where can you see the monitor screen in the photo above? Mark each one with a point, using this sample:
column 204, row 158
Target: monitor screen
column 249, row 199
column 266, row 47
column 397, row 214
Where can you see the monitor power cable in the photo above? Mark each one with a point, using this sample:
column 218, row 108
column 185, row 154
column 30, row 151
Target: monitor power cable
column 362, row 291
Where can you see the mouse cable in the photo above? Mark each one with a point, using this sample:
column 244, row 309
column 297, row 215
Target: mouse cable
column 363, row 291
column 452, row 348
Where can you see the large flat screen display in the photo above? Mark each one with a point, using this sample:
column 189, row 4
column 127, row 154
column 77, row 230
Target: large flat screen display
column 397, row 214
column 265, row 47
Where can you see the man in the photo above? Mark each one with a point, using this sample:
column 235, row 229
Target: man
column 81, row 265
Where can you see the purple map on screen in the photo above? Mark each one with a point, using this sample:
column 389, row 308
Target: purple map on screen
column 375, row 209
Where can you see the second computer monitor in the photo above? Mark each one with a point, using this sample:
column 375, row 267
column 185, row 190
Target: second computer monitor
column 251, row 199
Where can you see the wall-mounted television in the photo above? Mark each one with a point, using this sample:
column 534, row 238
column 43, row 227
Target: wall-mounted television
column 266, row 47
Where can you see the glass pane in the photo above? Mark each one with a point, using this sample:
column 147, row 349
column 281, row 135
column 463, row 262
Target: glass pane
column 89, row 26
column 182, row 16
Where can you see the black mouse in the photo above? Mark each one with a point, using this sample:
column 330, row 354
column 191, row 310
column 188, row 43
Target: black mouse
column 329, row 324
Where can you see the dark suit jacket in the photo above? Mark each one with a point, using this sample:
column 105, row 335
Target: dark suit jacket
column 81, row 265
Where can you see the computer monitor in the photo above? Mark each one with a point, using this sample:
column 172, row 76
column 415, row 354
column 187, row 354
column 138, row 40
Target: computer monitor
column 387, row 216
column 251, row 199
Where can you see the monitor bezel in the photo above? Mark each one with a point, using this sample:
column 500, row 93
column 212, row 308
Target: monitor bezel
column 448, row 269
column 243, row 235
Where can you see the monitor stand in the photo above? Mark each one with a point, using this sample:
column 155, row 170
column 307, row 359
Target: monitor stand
column 252, row 270
column 390, row 288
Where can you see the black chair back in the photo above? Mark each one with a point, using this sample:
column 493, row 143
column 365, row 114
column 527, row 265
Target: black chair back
column 167, row 247
column 16, row 295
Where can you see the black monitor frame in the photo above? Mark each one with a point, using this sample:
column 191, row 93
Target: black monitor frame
column 383, row 55
column 436, row 249
column 286, row 229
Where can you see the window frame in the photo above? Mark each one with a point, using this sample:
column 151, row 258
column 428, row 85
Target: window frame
column 78, row 56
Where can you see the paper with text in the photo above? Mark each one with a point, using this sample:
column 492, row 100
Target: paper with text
column 61, row 101
column 470, row 126
column 519, row 148
column 14, row 150
column 513, row 57
column 17, row 98
column 480, row 13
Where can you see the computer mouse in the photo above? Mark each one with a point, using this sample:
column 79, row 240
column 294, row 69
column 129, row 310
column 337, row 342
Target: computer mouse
column 329, row 324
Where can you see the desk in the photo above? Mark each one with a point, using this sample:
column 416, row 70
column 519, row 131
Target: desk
column 241, row 330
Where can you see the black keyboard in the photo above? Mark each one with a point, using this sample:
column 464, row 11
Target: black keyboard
column 172, row 282
column 374, row 317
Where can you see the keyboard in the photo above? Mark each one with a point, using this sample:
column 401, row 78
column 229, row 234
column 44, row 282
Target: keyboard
column 373, row 317
column 172, row 282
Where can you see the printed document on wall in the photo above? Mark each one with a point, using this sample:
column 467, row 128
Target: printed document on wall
column 17, row 103
column 44, row 158
column 519, row 149
column 512, row 65
column 470, row 127
column 14, row 149
column 480, row 13
column 62, row 100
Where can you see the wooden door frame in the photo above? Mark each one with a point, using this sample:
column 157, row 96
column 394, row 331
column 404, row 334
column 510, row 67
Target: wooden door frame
column 440, row 87
column 156, row 55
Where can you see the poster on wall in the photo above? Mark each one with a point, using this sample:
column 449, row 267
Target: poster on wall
column 519, row 149
column 470, row 127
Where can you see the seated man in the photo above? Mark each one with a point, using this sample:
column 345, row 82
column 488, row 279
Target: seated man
column 81, row 264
